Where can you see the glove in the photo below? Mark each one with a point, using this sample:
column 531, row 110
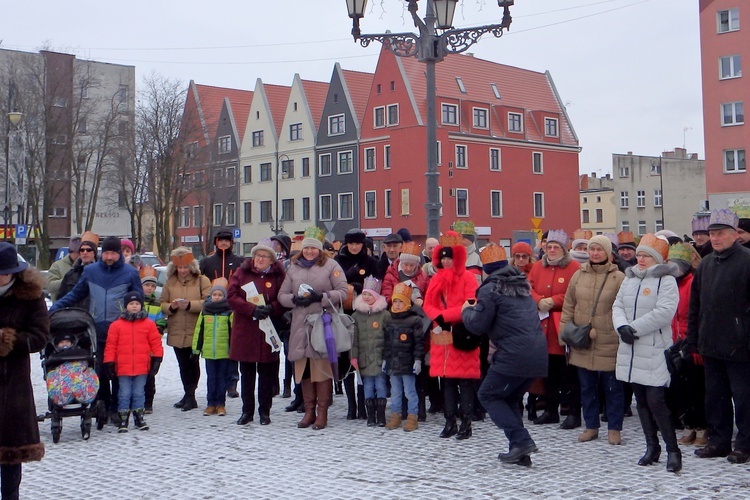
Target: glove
column 262, row 312
column 315, row 296
column 384, row 367
column 441, row 322
column 355, row 363
column 627, row 334
column 301, row 301
column 417, row 367
column 691, row 351
column 545, row 305
column 109, row 371
column 155, row 364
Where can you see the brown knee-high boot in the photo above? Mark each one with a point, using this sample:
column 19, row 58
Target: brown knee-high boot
column 309, row 397
column 324, row 392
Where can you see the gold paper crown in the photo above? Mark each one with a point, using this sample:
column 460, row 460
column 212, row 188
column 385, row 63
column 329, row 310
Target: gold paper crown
column 682, row 251
column 492, row 253
column 451, row 239
column 401, row 291
column 148, row 272
column 463, row 227
column 582, row 234
column 315, row 233
column 181, row 256
column 90, row 237
column 658, row 244
column 625, row 237
column 742, row 211
column 411, row 247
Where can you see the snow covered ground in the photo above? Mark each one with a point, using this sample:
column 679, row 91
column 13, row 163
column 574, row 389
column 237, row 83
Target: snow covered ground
column 186, row 455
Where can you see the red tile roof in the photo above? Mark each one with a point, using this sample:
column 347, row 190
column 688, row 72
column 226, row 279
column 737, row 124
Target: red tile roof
column 241, row 112
column 278, row 98
column 358, row 84
column 211, row 99
column 315, row 93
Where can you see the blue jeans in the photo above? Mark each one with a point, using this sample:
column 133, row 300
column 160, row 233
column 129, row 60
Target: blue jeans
column 217, row 379
column 375, row 385
column 401, row 384
column 132, row 393
column 501, row 396
column 614, row 398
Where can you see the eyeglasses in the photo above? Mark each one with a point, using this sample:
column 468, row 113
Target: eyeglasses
column 643, row 256
column 521, row 256
column 84, row 250
column 263, row 257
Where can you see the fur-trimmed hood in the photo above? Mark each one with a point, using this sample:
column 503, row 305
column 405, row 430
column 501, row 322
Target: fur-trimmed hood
column 508, row 281
column 459, row 258
column 194, row 268
column 28, row 285
column 379, row 305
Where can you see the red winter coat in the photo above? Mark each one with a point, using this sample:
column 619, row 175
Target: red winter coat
column 130, row 345
column 454, row 286
column 552, row 281
column 680, row 321
column 248, row 343
column 392, row 279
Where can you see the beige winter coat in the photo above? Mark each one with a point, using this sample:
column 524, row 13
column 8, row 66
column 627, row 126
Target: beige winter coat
column 194, row 288
column 579, row 302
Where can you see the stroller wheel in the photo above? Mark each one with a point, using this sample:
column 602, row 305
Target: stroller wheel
column 85, row 427
column 56, row 429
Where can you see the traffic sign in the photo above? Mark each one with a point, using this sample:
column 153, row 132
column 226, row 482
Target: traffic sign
column 236, row 233
column 22, row 231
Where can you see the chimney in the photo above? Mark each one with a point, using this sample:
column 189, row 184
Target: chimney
column 630, row 153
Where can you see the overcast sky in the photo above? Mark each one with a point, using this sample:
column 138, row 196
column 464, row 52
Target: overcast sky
column 628, row 70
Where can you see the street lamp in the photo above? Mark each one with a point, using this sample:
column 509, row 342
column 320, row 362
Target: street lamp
column 277, row 223
column 429, row 47
column 14, row 117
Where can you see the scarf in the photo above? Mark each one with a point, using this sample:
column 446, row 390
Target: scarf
column 129, row 316
column 306, row 263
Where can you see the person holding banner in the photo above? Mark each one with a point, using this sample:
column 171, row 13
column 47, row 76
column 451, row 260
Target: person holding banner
column 253, row 296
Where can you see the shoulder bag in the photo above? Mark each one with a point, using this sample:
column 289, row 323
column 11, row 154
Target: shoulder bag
column 342, row 326
column 578, row 336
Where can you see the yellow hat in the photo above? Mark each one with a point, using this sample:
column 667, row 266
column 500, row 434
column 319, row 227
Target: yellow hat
column 402, row 292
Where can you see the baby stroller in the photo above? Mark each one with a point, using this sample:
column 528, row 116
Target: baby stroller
column 68, row 363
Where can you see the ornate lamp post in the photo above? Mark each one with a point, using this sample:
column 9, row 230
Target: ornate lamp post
column 430, row 47
column 14, row 117
column 277, row 223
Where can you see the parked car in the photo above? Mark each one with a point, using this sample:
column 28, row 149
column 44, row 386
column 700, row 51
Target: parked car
column 148, row 259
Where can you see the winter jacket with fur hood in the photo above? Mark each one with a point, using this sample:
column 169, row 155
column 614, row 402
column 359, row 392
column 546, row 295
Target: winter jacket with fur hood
column 194, row 288
column 131, row 342
column 648, row 305
column 369, row 339
column 24, row 329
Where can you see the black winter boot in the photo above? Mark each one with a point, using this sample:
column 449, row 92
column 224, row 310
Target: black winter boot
column 450, row 428
column 464, row 432
column 421, row 410
column 297, row 402
column 371, row 404
column 653, row 450
column 380, row 415
column 190, row 403
column 666, row 428
column 351, row 398
column 362, row 411
column 287, row 393
column 140, row 424
column 10, row 478
column 531, row 407
column 123, row 425
column 548, row 417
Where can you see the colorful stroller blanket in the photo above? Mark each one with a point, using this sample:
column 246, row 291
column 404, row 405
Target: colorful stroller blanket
column 71, row 381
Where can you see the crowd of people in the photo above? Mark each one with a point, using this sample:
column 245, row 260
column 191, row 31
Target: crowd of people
column 472, row 331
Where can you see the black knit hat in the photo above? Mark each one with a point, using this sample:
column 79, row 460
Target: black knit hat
column 133, row 296
column 355, row 235
column 112, row 244
column 405, row 234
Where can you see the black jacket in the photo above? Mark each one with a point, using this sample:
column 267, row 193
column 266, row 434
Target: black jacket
column 222, row 264
column 69, row 281
column 382, row 267
column 404, row 341
column 506, row 312
column 356, row 267
column 719, row 316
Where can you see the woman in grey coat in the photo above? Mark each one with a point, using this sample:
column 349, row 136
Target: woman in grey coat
column 642, row 314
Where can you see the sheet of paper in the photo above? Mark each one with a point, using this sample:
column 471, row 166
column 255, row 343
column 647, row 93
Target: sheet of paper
column 543, row 315
column 251, row 292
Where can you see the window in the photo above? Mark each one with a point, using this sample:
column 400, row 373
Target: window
column 346, row 162
column 198, row 179
column 461, row 85
column 305, row 167
column 730, row 67
column 386, row 157
column 247, row 212
column 336, row 124
column 370, row 205
column 265, row 211
column 370, row 159
column 122, row 95
column 198, row 219
column 538, row 204
column 379, row 117
column 658, row 225
column 218, row 214
column 247, row 174
column 585, row 216
column 287, row 209
column 734, row 160
column 225, row 144
column 306, row 208
column 82, row 125
column 657, row 197
column 550, row 127
column 514, row 123
column 60, row 102
column 185, row 218
column 295, row 132
column 495, row 159
column 231, row 176
column 231, row 214
column 84, row 89
column 641, row 227
column 257, row 138
column 598, row 199
column 287, row 169
column 462, row 202
column 450, row 114
column 641, row 199
column 623, row 199
column 585, row 199
column 536, row 159
column 728, row 20
column 57, row 212
column 495, row 90
column 265, row 172
column 346, row 206
column 480, row 117
column 599, row 215
column 324, row 165
column 60, row 140
column 387, row 205
column 405, row 202
column 656, row 167
column 732, row 113
column 122, row 129
column 625, row 226
column 496, row 203
column 439, row 153
column 461, row 157
column 393, row 114
column 624, row 171
column 324, row 210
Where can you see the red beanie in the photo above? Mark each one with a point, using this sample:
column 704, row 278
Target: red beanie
column 521, row 247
